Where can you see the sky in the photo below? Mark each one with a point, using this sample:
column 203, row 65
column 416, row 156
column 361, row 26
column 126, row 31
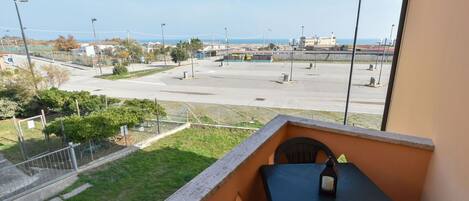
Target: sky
column 244, row 19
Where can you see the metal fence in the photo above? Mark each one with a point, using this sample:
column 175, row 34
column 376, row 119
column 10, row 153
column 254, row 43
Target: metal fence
column 18, row 178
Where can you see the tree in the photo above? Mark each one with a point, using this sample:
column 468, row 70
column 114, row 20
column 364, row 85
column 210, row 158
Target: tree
column 120, row 69
column 196, row 44
column 65, row 44
column 98, row 125
column 56, row 76
column 271, row 46
column 129, row 49
column 146, row 106
column 179, row 54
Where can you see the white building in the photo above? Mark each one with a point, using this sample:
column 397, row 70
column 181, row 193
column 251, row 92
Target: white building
column 318, row 42
column 84, row 49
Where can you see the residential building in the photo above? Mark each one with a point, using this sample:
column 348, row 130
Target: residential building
column 318, row 42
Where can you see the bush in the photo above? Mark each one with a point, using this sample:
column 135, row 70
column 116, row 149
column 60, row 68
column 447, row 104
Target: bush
column 120, row 69
column 146, row 106
column 59, row 101
column 98, row 125
column 8, row 108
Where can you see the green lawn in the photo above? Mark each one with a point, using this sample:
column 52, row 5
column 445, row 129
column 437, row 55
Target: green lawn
column 159, row 170
column 34, row 141
column 135, row 74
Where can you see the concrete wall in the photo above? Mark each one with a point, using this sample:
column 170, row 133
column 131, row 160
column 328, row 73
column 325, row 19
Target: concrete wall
column 431, row 92
column 333, row 56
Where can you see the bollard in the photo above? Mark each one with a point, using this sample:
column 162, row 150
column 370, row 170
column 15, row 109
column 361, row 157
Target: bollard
column 286, row 77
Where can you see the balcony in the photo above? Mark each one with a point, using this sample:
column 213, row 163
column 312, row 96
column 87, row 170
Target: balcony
column 396, row 163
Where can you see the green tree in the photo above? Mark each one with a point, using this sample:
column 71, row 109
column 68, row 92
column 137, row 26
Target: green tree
column 129, row 49
column 196, row 44
column 146, row 106
column 179, row 54
column 98, row 125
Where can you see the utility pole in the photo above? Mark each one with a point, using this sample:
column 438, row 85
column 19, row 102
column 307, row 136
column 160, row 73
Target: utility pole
column 352, row 62
column 226, row 48
column 164, row 47
column 26, row 45
column 96, row 46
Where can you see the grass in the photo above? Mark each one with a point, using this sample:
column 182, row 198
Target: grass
column 135, row 74
column 256, row 117
column 159, row 170
column 34, row 142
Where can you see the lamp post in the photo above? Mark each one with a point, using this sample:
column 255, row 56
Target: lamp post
column 226, row 48
column 377, row 55
column 382, row 60
column 385, row 53
column 390, row 39
column 96, row 46
column 352, row 62
column 292, row 44
column 164, row 47
column 302, row 30
column 192, row 58
column 26, row 44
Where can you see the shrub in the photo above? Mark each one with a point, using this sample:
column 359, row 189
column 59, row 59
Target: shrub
column 59, row 101
column 146, row 106
column 120, row 69
column 8, row 108
column 98, row 125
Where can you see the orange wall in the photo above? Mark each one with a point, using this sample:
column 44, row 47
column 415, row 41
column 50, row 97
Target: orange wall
column 431, row 92
column 378, row 160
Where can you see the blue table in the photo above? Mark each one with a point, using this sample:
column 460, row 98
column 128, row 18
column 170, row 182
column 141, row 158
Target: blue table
column 300, row 182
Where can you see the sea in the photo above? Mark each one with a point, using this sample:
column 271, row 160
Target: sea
column 367, row 41
column 360, row 41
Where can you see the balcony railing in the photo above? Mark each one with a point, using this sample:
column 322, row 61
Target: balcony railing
column 396, row 163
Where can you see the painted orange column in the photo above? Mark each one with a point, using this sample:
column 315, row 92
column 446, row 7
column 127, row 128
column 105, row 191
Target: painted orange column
column 431, row 93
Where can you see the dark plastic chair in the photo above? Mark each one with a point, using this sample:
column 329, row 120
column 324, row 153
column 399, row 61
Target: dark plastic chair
column 301, row 150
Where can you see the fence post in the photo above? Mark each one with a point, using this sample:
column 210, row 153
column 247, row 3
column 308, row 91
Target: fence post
column 157, row 116
column 73, row 156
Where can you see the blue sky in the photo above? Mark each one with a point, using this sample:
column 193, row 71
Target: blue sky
column 46, row 19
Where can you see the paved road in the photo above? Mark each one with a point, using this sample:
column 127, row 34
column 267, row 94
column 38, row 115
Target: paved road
column 252, row 84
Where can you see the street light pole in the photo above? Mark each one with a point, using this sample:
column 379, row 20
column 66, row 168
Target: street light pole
column 192, row 58
column 352, row 62
column 226, row 41
column 390, row 39
column 382, row 60
column 96, row 46
column 377, row 55
column 291, row 59
column 26, row 45
column 302, row 30
column 164, row 47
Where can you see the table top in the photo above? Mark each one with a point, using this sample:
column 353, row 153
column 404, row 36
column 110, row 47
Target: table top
column 298, row 182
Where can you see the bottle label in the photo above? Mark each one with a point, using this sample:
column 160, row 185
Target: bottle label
column 327, row 183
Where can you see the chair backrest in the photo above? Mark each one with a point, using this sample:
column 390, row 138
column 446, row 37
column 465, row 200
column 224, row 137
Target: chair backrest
column 301, row 150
